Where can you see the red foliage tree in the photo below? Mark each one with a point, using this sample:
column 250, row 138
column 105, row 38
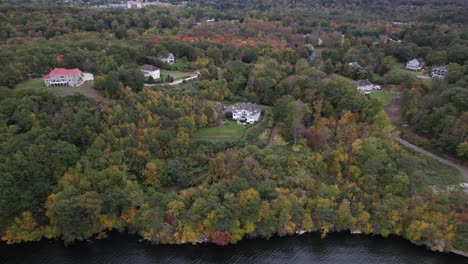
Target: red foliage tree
column 314, row 138
column 221, row 238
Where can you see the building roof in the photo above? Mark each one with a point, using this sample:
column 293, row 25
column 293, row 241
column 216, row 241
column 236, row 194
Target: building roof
column 46, row 77
column 63, row 71
column 249, row 107
column 147, row 67
column 418, row 61
column 169, row 55
column 363, row 83
column 354, row 64
column 442, row 68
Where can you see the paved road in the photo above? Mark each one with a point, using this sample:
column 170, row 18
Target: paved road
column 463, row 169
column 186, row 79
column 175, row 82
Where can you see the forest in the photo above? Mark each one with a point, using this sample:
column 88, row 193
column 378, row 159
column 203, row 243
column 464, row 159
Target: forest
column 324, row 159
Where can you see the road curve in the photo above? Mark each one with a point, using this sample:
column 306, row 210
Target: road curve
column 463, row 169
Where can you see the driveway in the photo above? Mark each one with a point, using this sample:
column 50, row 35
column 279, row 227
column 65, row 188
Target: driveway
column 463, row 169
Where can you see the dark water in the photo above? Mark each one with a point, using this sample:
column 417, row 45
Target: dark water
column 336, row 248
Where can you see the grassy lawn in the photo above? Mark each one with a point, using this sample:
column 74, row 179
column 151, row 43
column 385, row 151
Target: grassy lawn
column 177, row 75
column 34, row 84
column 86, row 89
column 339, row 77
column 229, row 131
column 382, row 96
column 376, row 77
column 181, row 64
column 434, row 172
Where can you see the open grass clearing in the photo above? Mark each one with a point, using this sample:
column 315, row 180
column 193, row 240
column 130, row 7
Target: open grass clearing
column 383, row 96
column 339, row 77
column 433, row 172
column 177, row 75
column 231, row 130
column 85, row 89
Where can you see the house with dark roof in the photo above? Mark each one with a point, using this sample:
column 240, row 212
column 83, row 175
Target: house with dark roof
column 63, row 77
column 439, row 72
column 245, row 112
column 150, row 70
column 415, row 64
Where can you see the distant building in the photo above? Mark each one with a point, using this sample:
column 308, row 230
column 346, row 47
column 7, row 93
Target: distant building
column 385, row 39
column 311, row 58
column 439, row 72
column 319, row 42
column 354, row 64
column 245, row 112
column 365, row 86
column 415, row 65
column 309, row 47
column 170, row 58
column 63, row 77
column 134, row 4
column 117, row 6
column 150, row 70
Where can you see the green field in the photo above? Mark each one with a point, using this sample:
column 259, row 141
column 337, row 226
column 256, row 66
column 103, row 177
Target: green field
column 34, row 83
column 177, row 75
column 382, row 96
column 86, row 89
column 376, row 77
column 433, row 172
column 339, row 77
column 229, row 131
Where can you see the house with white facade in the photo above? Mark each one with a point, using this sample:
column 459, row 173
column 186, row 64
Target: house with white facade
column 439, row 72
column 134, row 4
column 365, row 86
column 415, row 65
column 354, row 64
column 63, row 77
column 245, row 112
column 150, row 70
column 170, row 58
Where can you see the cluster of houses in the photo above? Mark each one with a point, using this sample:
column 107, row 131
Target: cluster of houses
column 135, row 4
column 75, row 77
column 418, row 64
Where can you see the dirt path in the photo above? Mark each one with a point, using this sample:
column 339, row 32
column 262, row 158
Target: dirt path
column 462, row 169
column 274, row 131
column 393, row 110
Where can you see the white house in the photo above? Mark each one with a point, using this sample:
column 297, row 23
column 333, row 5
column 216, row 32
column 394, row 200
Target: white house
column 63, row 77
column 170, row 58
column 245, row 112
column 415, row 65
column 439, row 72
column 135, row 4
column 150, row 70
column 365, row 86
column 354, row 64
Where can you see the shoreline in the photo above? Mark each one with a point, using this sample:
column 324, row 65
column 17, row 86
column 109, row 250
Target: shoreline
column 298, row 234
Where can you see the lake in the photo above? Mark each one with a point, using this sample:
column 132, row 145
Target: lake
column 310, row 248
